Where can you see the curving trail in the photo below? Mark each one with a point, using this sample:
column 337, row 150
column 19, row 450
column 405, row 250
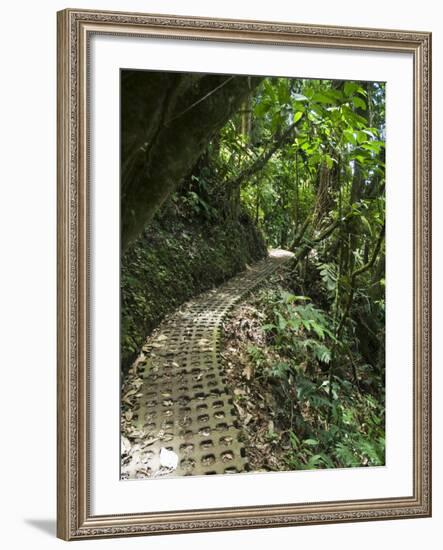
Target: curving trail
column 177, row 412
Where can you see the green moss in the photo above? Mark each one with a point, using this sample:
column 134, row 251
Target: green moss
column 174, row 260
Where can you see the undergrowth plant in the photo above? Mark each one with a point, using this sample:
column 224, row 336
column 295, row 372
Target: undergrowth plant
column 330, row 420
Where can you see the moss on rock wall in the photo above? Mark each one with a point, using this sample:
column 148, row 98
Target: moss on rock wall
column 174, row 260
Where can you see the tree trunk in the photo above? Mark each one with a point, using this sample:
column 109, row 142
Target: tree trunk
column 167, row 122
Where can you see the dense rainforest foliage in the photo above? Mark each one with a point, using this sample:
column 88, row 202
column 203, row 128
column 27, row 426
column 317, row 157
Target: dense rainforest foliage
column 287, row 163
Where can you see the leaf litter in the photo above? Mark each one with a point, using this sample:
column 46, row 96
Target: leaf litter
column 265, row 444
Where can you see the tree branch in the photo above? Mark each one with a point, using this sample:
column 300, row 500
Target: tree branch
column 309, row 243
column 263, row 159
column 300, row 233
column 167, row 122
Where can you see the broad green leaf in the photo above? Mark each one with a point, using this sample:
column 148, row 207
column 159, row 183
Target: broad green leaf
column 350, row 137
column 359, row 103
column 310, row 442
column 298, row 115
column 323, row 98
column 350, row 88
column 361, row 136
column 299, row 97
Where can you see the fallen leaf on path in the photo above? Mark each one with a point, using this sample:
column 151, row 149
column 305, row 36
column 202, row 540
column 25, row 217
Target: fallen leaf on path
column 239, row 409
column 247, row 372
column 126, row 446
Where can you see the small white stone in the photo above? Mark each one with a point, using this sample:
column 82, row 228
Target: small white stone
column 168, row 459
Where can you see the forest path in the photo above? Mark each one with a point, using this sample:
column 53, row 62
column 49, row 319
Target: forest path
column 177, row 413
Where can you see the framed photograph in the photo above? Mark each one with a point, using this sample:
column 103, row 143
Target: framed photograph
column 244, row 248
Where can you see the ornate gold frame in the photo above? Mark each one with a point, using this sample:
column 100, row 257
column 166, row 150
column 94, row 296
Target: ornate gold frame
column 73, row 515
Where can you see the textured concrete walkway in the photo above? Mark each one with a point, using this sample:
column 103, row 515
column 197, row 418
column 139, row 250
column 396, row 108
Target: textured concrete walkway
column 177, row 412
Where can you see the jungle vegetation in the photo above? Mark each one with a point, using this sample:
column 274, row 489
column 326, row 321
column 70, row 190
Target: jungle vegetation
column 215, row 169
